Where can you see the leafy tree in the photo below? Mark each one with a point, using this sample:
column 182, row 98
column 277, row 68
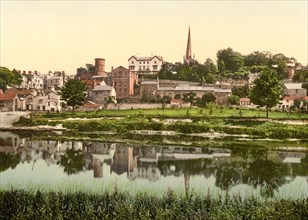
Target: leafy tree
column 301, row 75
column 9, row 78
column 267, row 90
column 229, row 60
column 208, row 98
column 240, row 91
column 279, row 63
column 233, row 100
column 297, row 103
column 74, row 93
column 257, row 58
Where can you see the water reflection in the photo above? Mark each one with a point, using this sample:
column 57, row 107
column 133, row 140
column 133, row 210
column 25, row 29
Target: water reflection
column 259, row 168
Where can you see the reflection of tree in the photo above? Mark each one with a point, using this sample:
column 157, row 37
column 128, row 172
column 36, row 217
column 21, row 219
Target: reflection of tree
column 268, row 174
column 8, row 161
column 229, row 174
column 301, row 169
column 73, row 161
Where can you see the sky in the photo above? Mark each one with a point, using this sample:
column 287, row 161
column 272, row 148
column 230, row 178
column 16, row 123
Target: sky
column 65, row 35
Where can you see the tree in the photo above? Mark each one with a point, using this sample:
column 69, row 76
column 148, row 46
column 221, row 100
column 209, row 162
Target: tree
column 73, row 93
column 208, row 98
column 257, row 58
column 9, row 78
column 229, row 60
column 301, row 75
column 267, row 90
column 240, row 91
column 233, row 100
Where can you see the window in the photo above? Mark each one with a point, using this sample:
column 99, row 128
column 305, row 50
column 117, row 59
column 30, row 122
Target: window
column 143, row 62
column 132, row 62
column 148, row 62
column 148, row 68
column 144, row 67
column 155, row 61
column 154, row 67
column 48, row 103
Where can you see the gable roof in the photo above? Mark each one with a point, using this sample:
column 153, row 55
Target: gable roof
column 293, row 85
column 10, row 94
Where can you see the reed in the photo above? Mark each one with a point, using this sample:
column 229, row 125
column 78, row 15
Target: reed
column 21, row 204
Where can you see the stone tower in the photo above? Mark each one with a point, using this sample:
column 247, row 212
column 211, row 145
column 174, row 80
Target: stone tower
column 100, row 67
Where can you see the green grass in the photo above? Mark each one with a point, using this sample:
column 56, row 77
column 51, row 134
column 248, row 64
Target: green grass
column 179, row 113
column 19, row 204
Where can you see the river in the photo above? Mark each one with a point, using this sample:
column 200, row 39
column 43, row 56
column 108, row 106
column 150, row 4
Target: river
column 30, row 163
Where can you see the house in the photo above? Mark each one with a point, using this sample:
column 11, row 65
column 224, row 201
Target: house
column 288, row 101
column 145, row 65
column 123, row 81
column 30, row 100
column 245, row 102
column 102, row 93
column 32, row 80
column 52, row 101
column 294, row 89
column 148, row 89
column 12, row 99
column 54, row 80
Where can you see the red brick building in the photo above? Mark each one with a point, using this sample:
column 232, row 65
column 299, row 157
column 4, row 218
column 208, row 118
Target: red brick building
column 123, row 82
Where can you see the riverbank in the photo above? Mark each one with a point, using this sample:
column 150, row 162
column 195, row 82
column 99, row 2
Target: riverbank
column 16, row 204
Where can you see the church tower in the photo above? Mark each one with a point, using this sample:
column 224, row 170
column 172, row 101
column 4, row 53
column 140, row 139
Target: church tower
column 188, row 57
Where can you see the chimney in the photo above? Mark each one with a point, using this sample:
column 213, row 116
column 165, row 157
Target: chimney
column 111, row 68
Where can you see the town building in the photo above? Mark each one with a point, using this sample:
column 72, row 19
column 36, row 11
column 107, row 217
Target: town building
column 294, row 89
column 145, row 65
column 54, row 80
column 153, row 89
column 31, row 80
column 102, row 94
column 124, row 81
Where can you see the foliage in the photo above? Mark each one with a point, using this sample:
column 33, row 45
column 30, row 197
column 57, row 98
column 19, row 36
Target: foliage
column 208, row 98
column 194, row 71
column 257, row 58
column 90, row 69
column 301, row 75
column 73, row 93
column 9, row 78
column 73, row 161
column 229, row 60
column 19, row 204
column 233, row 100
column 267, row 90
column 8, row 161
column 240, row 91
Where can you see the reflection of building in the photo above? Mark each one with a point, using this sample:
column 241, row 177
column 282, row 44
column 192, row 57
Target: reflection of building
column 144, row 172
column 123, row 160
column 291, row 157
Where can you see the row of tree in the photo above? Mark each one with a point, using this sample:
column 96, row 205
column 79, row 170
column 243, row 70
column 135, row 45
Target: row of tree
column 230, row 64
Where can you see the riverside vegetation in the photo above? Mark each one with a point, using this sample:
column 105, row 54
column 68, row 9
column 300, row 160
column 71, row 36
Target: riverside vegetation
column 193, row 121
column 19, row 204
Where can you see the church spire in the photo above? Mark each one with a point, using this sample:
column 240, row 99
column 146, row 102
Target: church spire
column 188, row 57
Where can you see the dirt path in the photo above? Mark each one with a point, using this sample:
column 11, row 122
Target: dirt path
column 8, row 118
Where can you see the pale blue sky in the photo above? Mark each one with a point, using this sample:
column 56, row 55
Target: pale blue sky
column 64, row 35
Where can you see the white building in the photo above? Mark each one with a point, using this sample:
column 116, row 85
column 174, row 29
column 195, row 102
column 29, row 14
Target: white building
column 32, row 80
column 145, row 65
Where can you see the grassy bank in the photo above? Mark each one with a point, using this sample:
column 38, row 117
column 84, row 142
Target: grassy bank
column 182, row 121
column 17, row 204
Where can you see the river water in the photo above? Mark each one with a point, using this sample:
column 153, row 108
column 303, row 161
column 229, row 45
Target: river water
column 29, row 163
